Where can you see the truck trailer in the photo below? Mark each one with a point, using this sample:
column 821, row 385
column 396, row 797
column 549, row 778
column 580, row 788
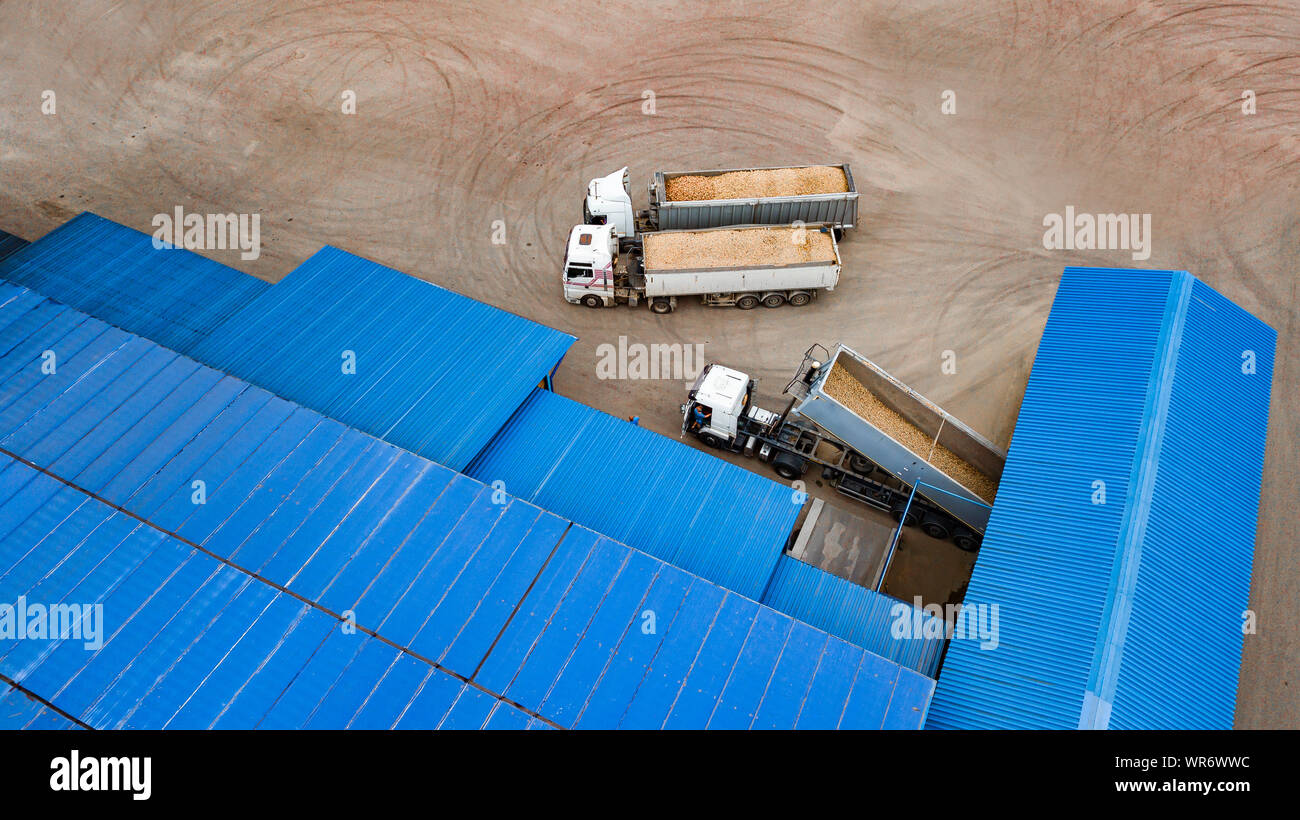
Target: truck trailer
column 808, row 194
column 743, row 266
column 872, row 437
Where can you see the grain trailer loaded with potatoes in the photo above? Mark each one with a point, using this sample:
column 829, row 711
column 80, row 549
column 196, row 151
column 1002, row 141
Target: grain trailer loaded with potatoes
column 808, row 194
column 745, row 266
column 871, row 436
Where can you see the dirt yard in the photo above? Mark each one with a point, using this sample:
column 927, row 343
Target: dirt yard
column 474, row 113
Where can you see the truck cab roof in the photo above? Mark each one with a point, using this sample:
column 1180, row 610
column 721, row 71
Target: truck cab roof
column 722, row 389
column 611, row 188
column 592, row 243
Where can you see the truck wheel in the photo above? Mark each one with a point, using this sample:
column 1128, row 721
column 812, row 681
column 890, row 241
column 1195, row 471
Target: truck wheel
column 966, row 540
column 859, row 463
column 800, row 299
column 788, row 466
column 747, row 302
column 710, row 440
column 773, row 300
column 661, row 306
column 897, row 514
column 593, row 301
column 934, row 527
column 839, row 234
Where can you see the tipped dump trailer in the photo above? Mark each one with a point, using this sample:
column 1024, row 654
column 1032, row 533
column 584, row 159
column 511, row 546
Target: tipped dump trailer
column 743, row 266
column 871, row 436
column 783, row 195
column 905, row 435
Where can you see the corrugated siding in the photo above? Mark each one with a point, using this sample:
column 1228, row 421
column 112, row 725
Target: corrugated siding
column 658, row 495
column 18, row 711
column 1087, row 592
column 10, row 244
column 443, row 574
column 436, row 372
column 858, row 615
column 691, row 655
column 114, row 273
column 1183, row 646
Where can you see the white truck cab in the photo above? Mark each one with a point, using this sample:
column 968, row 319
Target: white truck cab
column 589, row 263
column 716, row 402
column 608, row 202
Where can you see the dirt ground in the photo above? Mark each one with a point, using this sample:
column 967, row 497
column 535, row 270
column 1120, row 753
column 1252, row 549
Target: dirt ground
column 471, row 113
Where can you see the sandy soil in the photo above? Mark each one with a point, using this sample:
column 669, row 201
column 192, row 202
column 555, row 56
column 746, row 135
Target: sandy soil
column 471, row 113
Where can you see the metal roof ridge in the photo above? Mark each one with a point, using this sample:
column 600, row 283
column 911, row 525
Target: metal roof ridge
column 1108, row 653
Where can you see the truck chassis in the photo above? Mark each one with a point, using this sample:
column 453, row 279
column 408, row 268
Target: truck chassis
column 793, row 447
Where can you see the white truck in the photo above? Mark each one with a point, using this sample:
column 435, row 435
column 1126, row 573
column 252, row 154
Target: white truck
column 871, row 436
column 744, row 266
column 808, row 194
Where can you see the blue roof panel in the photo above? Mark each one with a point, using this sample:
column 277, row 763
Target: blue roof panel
column 686, row 507
column 1138, row 383
column 436, row 373
column 172, row 296
column 445, row 578
column 859, row 615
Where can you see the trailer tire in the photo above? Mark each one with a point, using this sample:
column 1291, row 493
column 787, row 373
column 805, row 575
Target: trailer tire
column 935, row 527
column 859, row 463
column 839, row 234
column 747, row 302
column 593, row 301
column 789, row 466
column 661, row 306
column 800, row 298
column 966, row 540
column 897, row 514
column 773, row 300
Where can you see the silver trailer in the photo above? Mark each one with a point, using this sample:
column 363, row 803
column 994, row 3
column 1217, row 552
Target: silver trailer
column 771, row 284
column 890, row 455
column 838, row 209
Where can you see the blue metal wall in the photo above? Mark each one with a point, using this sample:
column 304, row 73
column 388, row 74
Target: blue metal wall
column 1125, row 613
column 658, row 495
column 10, row 244
column 859, row 615
column 473, row 608
column 436, row 373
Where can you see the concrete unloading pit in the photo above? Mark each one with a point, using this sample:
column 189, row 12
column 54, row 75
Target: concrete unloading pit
column 737, row 248
column 938, row 445
column 766, row 182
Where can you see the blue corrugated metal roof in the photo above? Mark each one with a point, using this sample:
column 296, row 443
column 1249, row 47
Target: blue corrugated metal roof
column 10, row 244
column 686, row 507
column 690, row 655
column 19, row 711
column 435, row 372
column 1125, row 613
column 172, row 296
column 857, row 614
column 471, row 604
